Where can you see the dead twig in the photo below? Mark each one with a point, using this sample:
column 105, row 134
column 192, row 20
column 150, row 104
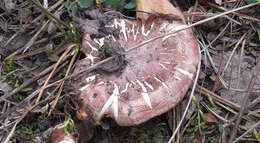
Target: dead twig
column 239, row 65
column 28, row 82
column 34, row 21
column 190, row 99
column 29, row 43
column 238, row 14
column 219, row 69
column 232, row 53
column 11, row 133
column 62, row 84
column 221, row 118
column 248, row 131
column 204, row 91
column 91, row 68
column 48, row 13
column 245, row 101
column 230, row 110
column 192, row 25
column 53, row 70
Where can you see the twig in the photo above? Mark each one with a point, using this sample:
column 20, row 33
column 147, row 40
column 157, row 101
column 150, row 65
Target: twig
column 62, row 84
column 190, row 99
column 210, row 58
column 31, row 41
column 253, row 103
column 194, row 10
column 48, row 13
column 25, row 84
column 216, row 97
column 187, row 124
column 230, row 110
column 240, row 61
column 245, row 101
column 192, row 25
column 219, row 69
column 221, row 118
column 21, row 104
column 245, row 133
column 53, row 70
column 21, row 118
column 29, row 44
column 34, row 21
column 42, row 80
column 240, row 15
column 232, row 53
column 145, row 42
column 91, row 68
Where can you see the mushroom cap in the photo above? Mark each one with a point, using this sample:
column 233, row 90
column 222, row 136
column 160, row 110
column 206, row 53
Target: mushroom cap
column 60, row 136
column 153, row 80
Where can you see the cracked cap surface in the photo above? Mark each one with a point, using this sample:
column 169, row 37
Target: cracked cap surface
column 154, row 80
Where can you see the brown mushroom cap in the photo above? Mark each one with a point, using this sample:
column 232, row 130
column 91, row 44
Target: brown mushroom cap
column 60, row 136
column 154, row 80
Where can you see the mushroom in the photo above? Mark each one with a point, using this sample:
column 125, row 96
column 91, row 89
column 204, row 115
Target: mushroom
column 141, row 83
column 60, row 136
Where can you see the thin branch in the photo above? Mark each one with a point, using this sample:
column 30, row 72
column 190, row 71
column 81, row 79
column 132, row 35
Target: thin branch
column 48, row 13
column 245, row 133
column 217, row 97
column 219, row 69
column 192, row 25
column 232, row 53
column 11, row 133
column 62, row 84
column 190, row 99
column 245, row 101
column 34, row 21
column 52, row 72
column 25, row 84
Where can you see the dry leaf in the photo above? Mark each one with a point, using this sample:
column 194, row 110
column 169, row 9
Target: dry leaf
column 159, row 7
column 210, row 118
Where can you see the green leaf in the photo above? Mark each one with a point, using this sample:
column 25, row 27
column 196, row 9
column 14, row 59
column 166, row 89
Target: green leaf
column 257, row 135
column 85, row 3
column 26, row 89
column 130, row 5
column 221, row 128
column 252, row 1
column 25, row 130
column 112, row 2
column 67, row 4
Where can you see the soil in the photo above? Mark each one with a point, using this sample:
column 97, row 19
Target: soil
column 113, row 49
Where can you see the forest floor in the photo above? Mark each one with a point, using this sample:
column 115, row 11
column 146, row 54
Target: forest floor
column 34, row 41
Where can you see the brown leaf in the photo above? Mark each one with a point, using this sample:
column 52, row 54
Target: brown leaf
column 160, row 7
column 210, row 118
